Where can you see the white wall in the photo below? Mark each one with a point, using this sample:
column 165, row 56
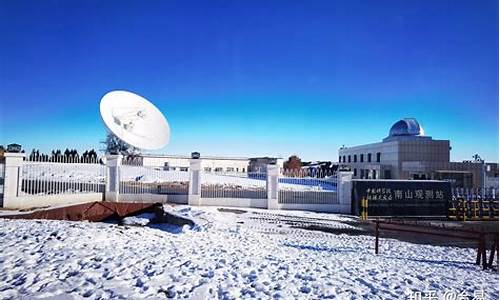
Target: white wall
column 234, row 202
column 333, row 208
column 37, row 201
column 160, row 161
column 153, row 198
column 238, row 164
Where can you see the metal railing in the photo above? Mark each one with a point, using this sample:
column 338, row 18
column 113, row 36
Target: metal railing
column 233, row 185
column 71, row 159
column 471, row 193
column 64, row 177
column 474, row 204
column 480, row 236
column 307, row 186
column 153, row 180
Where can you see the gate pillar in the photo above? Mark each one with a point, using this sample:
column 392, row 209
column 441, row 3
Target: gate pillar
column 12, row 179
column 344, row 191
column 273, row 173
column 194, row 182
column 113, row 170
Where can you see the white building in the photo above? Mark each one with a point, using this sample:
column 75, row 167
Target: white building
column 408, row 154
column 259, row 164
column 208, row 163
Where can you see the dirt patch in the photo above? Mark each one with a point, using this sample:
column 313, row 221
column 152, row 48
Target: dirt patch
column 232, row 210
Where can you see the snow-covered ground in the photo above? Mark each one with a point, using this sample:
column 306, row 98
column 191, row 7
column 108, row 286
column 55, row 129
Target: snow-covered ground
column 227, row 255
column 95, row 173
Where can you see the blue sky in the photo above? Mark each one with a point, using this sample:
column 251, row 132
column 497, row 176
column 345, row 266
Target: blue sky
column 247, row 78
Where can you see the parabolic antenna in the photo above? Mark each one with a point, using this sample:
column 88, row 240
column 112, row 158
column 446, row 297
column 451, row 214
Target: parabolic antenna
column 134, row 120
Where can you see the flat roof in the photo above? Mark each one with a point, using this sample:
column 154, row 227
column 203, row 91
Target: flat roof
column 361, row 146
column 393, row 140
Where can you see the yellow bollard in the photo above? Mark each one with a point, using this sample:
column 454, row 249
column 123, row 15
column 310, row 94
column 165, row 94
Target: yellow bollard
column 452, row 211
column 364, row 209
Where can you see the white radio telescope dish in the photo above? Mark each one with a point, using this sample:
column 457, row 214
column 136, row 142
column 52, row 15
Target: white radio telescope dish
column 134, row 120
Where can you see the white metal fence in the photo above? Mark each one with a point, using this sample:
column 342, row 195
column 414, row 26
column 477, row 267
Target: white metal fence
column 233, row 185
column 62, row 175
column 153, row 180
column 42, row 179
column 307, row 186
column 72, row 159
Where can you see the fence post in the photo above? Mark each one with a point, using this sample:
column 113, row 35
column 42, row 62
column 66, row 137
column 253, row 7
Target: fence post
column 272, row 187
column 344, row 191
column 12, row 178
column 194, row 195
column 113, row 170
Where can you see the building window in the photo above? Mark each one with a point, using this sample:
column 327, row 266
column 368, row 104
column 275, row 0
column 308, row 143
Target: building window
column 355, row 158
column 361, row 172
column 343, row 158
column 369, row 157
column 355, row 172
column 229, row 169
column 348, row 158
column 361, row 157
column 183, row 169
column 218, row 170
column 208, row 169
column 340, row 158
column 378, row 156
column 243, row 170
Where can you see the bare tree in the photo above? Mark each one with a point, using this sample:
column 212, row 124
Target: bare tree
column 116, row 146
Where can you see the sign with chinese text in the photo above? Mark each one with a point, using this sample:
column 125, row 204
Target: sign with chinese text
column 402, row 197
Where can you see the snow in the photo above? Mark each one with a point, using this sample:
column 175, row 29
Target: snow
column 139, row 220
column 232, row 254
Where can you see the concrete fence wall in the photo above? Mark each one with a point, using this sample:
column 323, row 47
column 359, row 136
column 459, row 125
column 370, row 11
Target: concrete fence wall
column 273, row 180
column 33, row 194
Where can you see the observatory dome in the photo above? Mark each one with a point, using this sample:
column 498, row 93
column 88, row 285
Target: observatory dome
column 406, row 127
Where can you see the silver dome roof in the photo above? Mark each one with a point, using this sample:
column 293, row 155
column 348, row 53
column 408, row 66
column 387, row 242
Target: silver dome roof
column 406, row 127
